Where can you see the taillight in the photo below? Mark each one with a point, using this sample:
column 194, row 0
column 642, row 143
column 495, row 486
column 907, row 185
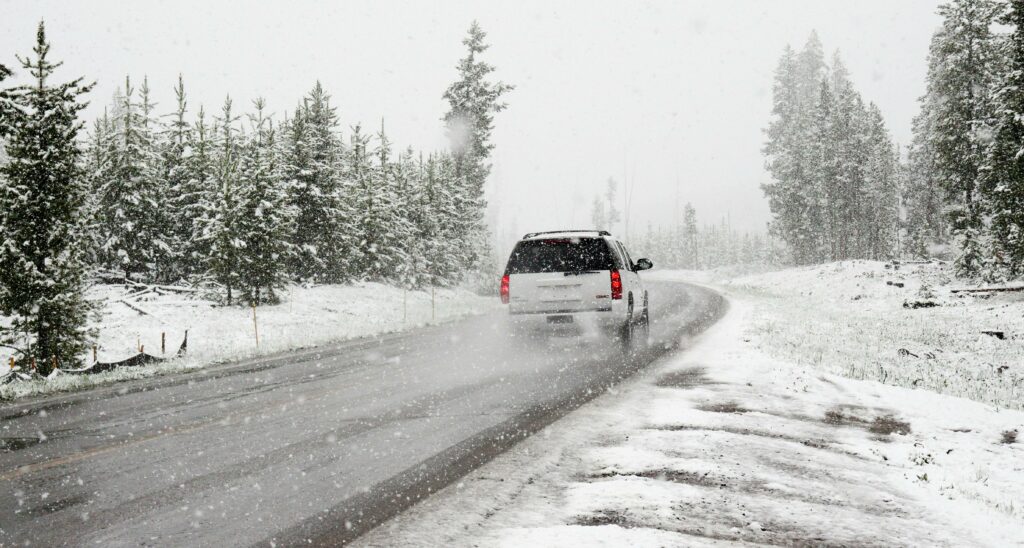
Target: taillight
column 504, row 289
column 616, row 285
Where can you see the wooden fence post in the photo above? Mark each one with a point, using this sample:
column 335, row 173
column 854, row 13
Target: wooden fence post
column 163, row 343
column 255, row 325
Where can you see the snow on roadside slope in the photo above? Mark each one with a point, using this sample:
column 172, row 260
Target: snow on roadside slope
column 723, row 445
column 307, row 317
column 849, row 318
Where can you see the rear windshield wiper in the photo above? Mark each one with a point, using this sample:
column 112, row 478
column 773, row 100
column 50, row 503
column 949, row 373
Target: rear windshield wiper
column 578, row 272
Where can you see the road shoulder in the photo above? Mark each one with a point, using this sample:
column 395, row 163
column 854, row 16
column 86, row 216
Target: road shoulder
column 721, row 444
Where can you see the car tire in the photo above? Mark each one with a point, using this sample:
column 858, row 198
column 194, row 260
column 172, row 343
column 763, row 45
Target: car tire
column 642, row 332
column 627, row 333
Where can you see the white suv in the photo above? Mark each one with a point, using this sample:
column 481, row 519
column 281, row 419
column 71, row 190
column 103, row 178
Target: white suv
column 583, row 277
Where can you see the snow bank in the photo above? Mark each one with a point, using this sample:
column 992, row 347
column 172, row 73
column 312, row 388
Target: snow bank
column 307, row 317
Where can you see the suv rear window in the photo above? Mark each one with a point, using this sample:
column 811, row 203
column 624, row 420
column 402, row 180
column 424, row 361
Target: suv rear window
column 560, row 255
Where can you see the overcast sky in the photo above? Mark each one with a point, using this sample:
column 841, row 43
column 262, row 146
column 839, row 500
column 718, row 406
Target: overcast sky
column 671, row 96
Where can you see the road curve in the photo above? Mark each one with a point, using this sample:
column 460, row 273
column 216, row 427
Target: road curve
column 316, row 446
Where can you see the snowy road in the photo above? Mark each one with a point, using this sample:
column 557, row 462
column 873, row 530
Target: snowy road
column 317, row 445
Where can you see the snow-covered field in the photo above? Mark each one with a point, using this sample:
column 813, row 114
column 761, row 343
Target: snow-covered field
column 849, row 318
column 726, row 444
column 307, row 317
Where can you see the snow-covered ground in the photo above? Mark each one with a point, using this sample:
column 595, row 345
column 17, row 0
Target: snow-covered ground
column 307, row 317
column 725, row 444
column 849, row 318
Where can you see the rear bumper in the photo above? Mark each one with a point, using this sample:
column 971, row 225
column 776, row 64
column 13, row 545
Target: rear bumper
column 562, row 320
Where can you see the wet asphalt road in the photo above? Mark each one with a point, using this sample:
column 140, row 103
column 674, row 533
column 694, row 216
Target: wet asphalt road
column 315, row 446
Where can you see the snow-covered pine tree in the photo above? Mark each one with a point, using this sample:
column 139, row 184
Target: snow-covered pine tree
column 923, row 195
column 450, row 265
column 411, row 205
column 131, row 194
column 174, row 152
column 821, row 199
column 1004, row 182
column 793, row 195
column 879, row 212
column 196, row 196
column 263, row 219
column 220, row 225
column 395, row 229
column 473, row 100
column 312, row 167
column 42, row 194
column 162, row 246
column 960, row 73
column 360, row 174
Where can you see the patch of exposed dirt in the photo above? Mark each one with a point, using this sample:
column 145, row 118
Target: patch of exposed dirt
column 727, row 407
column 607, row 517
column 882, row 425
column 889, row 425
column 684, row 378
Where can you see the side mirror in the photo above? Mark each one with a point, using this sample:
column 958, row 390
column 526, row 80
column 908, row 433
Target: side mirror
column 643, row 264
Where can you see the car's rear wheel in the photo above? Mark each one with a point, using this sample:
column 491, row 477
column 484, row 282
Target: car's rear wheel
column 642, row 332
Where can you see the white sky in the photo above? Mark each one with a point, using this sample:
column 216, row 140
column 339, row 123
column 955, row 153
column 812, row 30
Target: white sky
column 673, row 95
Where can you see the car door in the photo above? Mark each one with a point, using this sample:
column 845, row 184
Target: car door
column 631, row 278
column 639, row 291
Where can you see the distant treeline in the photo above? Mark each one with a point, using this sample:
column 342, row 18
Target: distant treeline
column 685, row 245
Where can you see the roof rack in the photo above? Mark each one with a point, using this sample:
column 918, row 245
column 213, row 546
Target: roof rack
column 532, row 234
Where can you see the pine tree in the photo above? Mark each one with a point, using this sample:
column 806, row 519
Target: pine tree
column 792, row 152
column 42, row 194
column 879, row 212
column 180, row 205
column 960, row 73
column 196, row 197
column 221, row 224
column 386, row 228
column 162, row 246
column 473, row 100
column 1004, row 184
column 360, row 174
column 924, row 196
column 130, row 195
column 312, row 167
column 263, row 217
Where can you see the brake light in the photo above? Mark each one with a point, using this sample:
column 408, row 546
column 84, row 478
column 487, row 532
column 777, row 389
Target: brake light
column 616, row 285
column 504, row 289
